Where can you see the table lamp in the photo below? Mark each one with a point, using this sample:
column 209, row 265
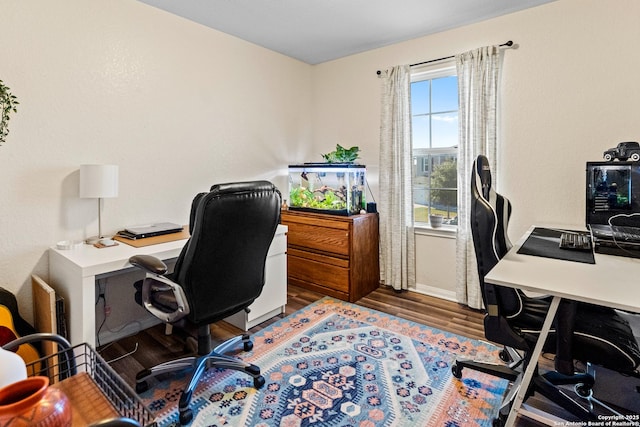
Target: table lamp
column 98, row 182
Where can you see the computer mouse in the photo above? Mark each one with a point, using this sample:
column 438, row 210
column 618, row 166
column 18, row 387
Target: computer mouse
column 107, row 242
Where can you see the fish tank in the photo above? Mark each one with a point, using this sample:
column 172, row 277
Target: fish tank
column 332, row 188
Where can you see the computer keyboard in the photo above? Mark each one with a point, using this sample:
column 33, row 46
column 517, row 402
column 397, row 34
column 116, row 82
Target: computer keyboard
column 577, row 241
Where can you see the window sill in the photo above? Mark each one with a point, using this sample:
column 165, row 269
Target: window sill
column 444, row 231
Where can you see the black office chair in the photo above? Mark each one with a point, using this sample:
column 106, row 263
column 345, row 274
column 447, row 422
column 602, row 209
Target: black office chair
column 584, row 332
column 220, row 271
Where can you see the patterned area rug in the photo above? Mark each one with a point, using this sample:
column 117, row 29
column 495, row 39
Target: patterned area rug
column 338, row 364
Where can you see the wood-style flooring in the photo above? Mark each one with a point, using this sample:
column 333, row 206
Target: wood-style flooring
column 153, row 346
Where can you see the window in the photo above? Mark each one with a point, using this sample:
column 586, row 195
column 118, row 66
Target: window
column 434, row 126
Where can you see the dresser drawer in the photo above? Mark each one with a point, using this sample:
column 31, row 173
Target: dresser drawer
column 319, row 238
column 323, row 274
column 319, row 258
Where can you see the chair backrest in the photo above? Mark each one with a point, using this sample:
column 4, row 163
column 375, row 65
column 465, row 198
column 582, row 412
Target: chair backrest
column 221, row 268
column 490, row 213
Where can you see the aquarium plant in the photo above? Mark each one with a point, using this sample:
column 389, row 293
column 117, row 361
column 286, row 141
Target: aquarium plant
column 324, row 198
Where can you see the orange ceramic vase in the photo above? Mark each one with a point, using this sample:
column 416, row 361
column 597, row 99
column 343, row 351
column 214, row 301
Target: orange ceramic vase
column 31, row 402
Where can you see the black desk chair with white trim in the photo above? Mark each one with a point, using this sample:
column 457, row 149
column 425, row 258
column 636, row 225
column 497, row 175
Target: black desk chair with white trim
column 581, row 332
column 220, row 272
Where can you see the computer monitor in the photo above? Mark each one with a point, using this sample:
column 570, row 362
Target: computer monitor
column 613, row 189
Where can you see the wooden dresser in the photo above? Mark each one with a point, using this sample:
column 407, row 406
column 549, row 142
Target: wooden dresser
column 333, row 255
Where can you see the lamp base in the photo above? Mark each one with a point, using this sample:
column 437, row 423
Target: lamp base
column 98, row 239
column 95, row 239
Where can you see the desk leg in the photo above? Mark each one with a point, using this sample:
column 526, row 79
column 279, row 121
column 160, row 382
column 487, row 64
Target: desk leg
column 537, row 351
column 79, row 298
column 88, row 322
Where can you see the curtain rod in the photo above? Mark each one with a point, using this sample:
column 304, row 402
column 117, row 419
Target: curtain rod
column 507, row 44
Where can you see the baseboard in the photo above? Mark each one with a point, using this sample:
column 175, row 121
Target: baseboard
column 435, row 292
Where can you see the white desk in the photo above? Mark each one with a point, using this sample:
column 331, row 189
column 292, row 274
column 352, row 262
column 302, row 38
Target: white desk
column 73, row 275
column 612, row 281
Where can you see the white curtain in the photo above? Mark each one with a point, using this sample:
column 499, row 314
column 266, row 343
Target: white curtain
column 397, row 243
column 478, row 72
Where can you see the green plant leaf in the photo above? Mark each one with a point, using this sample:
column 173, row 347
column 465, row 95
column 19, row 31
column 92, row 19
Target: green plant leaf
column 342, row 155
column 8, row 103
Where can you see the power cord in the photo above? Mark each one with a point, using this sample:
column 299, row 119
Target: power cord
column 115, row 359
column 101, row 296
column 613, row 234
column 370, row 192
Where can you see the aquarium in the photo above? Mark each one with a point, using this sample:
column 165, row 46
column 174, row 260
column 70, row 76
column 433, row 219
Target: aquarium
column 333, row 188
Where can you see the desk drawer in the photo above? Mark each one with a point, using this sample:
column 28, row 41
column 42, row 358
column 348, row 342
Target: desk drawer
column 278, row 245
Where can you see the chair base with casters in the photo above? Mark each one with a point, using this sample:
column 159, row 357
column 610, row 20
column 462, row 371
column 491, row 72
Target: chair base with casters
column 546, row 384
column 214, row 359
column 167, row 300
column 508, row 372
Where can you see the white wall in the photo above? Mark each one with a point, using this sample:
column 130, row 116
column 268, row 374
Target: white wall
column 569, row 91
column 177, row 105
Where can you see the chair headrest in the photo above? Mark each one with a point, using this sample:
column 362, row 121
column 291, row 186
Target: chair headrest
column 239, row 187
column 482, row 176
column 494, row 208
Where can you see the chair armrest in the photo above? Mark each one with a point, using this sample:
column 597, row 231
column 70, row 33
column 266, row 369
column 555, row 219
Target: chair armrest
column 155, row 283
column 149, row 263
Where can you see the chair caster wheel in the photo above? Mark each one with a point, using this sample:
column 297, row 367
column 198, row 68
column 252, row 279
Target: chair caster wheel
column 248, row 345
column 456, row 371
column 500, row 420
column 258, row 382
column 504, row 356
column 583, row 390
column 142, row 387
column 186, row 417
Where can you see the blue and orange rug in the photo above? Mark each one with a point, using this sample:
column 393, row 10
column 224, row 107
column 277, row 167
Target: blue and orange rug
column 337, row 364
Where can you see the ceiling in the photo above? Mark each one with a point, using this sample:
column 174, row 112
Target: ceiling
column 315, row 31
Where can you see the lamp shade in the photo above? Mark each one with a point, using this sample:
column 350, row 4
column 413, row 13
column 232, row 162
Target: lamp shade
column 98, row 181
